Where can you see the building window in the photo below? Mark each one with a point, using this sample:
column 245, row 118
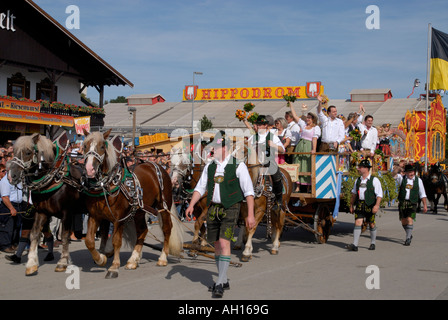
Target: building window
column 18, row 87
column 44, row 90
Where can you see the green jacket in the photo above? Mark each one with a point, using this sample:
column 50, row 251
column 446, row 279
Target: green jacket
column 413, row 196
column 229, row 189
column 369, row 194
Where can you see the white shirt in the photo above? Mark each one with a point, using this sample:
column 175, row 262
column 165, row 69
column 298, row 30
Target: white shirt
column 8, row 190
column 369, row 140
column 363, row 187
column 410, row 182
column 285, row 134
column 332, row 130
column 262, row 140
column 294, row 128
column 242, row 174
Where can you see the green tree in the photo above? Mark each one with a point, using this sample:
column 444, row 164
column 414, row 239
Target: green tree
column 119, row 99
column 205, row 124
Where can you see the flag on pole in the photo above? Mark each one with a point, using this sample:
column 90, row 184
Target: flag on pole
column 439, row 61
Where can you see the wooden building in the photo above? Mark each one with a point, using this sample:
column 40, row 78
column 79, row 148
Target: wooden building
column 41, row 60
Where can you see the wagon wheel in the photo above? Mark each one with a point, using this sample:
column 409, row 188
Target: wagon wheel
column 323, row 221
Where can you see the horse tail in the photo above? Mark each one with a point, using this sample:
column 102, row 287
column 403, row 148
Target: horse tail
column 129, row 234
column 129, row 237
column 176, row 238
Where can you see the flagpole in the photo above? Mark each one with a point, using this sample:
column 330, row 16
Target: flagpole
column 428, row 80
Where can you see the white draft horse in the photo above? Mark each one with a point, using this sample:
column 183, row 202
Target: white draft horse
column 115, row 202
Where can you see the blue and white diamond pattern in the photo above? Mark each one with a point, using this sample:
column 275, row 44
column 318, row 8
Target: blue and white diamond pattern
column 326, row 179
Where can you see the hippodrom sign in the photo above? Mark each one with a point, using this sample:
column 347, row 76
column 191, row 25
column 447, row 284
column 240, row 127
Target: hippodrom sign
column 311, row 90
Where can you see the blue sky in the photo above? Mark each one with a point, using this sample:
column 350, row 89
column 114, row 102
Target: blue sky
column 246, row 43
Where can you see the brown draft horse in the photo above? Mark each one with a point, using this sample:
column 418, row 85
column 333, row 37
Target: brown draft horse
column 277, row 220
column 113, row 202
column 39, row 163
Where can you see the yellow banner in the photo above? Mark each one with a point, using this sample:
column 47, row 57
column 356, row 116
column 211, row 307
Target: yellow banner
column 19, row 105
column 38, row 118
column 311, row 90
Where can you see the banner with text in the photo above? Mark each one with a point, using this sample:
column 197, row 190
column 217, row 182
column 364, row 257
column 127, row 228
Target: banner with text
column 19, row 105
column 311, row 90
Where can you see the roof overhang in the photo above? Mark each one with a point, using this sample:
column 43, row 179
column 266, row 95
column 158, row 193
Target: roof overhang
column 78, row 59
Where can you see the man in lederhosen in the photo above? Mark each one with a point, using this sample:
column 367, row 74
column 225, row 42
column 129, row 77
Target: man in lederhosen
column 411, row 190
column 365, row 203
column 227, row 183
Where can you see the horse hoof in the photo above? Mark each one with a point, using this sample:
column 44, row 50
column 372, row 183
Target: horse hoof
column 32, row 271
column 109, row 254
column 60, row 268
column 162, row 263
column 246, row 258
column 131, row 266
column 274, row 252
column 111, row 274
column 102, row 262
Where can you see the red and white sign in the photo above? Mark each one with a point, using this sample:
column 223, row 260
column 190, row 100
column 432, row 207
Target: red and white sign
column 81, row 124
column 191, row 92
column 312, row 89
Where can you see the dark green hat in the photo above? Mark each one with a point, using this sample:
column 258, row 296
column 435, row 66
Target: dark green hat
column 365, row 163
column 220, row 140
column 261, row 119
column 409, row 167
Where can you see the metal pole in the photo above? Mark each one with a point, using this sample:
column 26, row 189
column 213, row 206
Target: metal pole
column 192, row 109
column 192, row 104
column 134, row 121
column 428, row 80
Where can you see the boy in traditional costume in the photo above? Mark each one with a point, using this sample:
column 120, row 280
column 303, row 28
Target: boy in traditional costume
column 227, row 183
column 410, row 192
column 267, row 145
column 365, row 203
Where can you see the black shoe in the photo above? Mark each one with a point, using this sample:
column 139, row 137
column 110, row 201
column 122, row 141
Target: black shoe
column 352, row 247
column 225, row 286
column 218, row 291
column 408, row 241
column 13, row 258
column 49, row 257
column 372, row 247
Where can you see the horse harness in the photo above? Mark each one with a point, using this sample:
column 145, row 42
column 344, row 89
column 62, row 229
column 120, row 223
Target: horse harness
column 50, row 181
column 121, row 179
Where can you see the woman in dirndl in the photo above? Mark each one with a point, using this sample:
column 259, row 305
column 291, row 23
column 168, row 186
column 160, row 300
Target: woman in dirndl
column 308, row 143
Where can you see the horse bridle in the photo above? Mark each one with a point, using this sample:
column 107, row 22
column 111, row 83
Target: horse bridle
column 26, row 165
column 52, row 175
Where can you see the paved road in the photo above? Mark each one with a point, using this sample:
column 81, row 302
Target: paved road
column 302, row 270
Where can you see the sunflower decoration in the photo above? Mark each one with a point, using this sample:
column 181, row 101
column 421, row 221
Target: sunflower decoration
column 252, row 117
column 248, row 107
column 240, row 114
column 289, row 99
column 355, row 134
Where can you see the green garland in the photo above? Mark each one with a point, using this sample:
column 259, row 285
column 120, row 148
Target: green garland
column 390, row 191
